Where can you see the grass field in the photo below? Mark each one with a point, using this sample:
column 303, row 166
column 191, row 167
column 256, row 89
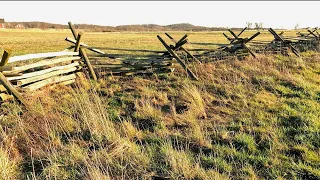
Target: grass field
column 250, row 119
column 32, row 41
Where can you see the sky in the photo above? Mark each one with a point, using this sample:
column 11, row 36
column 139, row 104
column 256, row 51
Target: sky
column 274, row 14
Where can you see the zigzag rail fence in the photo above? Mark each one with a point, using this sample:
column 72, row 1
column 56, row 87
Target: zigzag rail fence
column 25, row 73
column 281, row 44
column 22, row 74
column 152, row 61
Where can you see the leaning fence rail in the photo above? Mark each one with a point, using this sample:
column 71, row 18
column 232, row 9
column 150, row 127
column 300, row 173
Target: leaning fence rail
column 24, row 73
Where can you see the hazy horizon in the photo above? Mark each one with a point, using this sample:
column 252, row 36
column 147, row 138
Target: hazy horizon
column 276, row 14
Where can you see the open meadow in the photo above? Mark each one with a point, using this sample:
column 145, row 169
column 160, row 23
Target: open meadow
column 257, row 118
column 33, row 41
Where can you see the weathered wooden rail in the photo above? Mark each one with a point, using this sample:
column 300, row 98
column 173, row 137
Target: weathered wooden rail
column 25, row 73
column 155, row 61
column 239, row 47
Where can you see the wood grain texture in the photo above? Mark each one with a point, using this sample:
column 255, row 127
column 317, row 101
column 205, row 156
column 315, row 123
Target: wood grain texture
column 11, row 89
column 45, row 63
column 41, row 72
column 45, row 76
column 41, row 55
column 49, row 81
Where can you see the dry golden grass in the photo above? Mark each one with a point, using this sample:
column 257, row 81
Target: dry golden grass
column 250, row 119
column 34, row 41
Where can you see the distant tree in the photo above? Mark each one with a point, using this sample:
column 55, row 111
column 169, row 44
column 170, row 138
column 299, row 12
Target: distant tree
column 261, row 25
column 249, row 25
column 296, row 26
column 256, row 26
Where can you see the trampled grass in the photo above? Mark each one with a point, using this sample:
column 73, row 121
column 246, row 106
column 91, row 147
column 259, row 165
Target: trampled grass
column 256, row 118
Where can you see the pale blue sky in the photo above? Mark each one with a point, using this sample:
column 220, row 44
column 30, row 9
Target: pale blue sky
column 212, row 14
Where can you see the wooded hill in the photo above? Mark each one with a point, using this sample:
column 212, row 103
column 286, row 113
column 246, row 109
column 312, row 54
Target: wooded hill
column 98, row 28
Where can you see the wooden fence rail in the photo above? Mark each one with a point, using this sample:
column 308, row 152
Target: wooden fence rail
column 141, row 64
column 239, row 46
column 63, row 68
column 20, row 74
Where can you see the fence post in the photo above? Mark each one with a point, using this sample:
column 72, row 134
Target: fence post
column 5, row 57
column 10, row 88
column 87, row 62
column 183, row 49
column 190, row 73
column 78, row 43
column 74, row 32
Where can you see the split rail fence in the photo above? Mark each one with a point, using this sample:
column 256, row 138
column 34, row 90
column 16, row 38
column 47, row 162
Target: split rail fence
column 127, row 64
column 25, row 73
column 244, row 46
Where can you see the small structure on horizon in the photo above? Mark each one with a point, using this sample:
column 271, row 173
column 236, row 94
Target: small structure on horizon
column 19, row 26
column 2, row 24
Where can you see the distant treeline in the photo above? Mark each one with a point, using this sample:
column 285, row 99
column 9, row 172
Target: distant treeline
column 97, row 28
